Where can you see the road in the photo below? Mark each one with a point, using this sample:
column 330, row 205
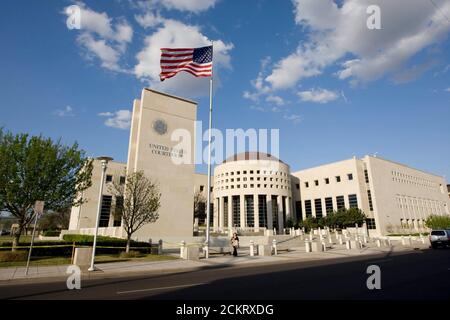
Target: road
column 421, row 274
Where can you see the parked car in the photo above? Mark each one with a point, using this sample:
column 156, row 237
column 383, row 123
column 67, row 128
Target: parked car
column 4, row 232
column 440, row 238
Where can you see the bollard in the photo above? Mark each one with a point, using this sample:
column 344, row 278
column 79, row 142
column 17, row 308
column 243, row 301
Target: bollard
column 403, row 241
column 308, row 246
column 160, row 246
column 182, row 249
column 422, row 238
column 330, row 241
column 378, row 243
column 252, row 248
column 274, row 245
column 311, row 235
column 348, row 246
column 341, row 241
column 389, row 242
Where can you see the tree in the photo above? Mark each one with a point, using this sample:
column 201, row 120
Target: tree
column 36, row 168
column 141, row 201
column 437, row 222
column 349, row 217
column 55, row 221
column 199, row 206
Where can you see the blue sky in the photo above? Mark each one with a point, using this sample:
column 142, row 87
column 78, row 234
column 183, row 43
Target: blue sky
column 312, row 69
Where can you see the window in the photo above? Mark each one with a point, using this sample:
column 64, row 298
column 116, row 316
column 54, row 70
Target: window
column 316, row 182
column 122, row 180
column 257, row 171
column 340, row 202
column 118, row 212
column 338, row 178
column 105, row 211
column 238, row 172
column 318, row 206
column 251, row 171
column 109, row 178
column 298, row 210
column 306, row 185
column 366, row 176
column 327, row 180
column 262, row 208
column 352, row 201
column 202, row 188
column 275, row 212
column 329, row 205
column 371, row 224
column 308, row 209
column 297, row 186
column 244, row 172
column 236, row 211
column 225, row 211
column 249, row 214
column 369, row 195
column 350, row 176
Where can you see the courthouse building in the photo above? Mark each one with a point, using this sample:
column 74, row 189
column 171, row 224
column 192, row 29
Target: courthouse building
column 253, row 191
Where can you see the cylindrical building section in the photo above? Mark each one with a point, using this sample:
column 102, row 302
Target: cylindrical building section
column 252, row 192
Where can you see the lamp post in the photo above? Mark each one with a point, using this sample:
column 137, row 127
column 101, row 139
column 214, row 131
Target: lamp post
column 104, row 161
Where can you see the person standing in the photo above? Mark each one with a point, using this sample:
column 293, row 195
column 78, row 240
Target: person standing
column 235, row 243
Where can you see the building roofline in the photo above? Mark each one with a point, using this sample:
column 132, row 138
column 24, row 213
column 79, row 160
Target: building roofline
column 325, row 164
column 171, row 96
column 405, row 165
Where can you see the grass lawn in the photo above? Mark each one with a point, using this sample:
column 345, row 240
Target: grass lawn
column 52, row 261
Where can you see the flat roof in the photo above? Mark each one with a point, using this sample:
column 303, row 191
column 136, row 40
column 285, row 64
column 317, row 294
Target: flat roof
column 171, row 96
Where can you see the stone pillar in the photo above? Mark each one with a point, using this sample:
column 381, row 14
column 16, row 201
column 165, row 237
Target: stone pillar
column 269, row 212
column 256, row 211
column 216, row 215
column 222, row 213
column 230, row 213
column 242, row 208
column 280, row 214
column 287, row 202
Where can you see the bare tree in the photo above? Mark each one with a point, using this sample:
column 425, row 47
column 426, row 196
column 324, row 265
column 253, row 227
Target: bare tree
column 141, row 201
column 199, row 205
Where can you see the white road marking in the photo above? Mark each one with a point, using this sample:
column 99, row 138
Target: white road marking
column 161, row 288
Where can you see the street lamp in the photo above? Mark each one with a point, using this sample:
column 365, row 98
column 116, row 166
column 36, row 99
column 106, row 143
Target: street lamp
column 104, row 161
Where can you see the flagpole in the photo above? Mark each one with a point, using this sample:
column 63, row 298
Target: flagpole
column 208, row 202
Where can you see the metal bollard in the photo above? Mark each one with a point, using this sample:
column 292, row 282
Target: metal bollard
column 274, row 245
column 308, row 246
column 182, row 248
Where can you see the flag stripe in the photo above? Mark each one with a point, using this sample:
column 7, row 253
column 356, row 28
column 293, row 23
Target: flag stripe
column 196, row 61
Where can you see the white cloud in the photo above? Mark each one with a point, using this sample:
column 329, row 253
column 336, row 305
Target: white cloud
column 120, row 119
column 103, row 39
column 448, row 89
column 275, row 99
column 195, row 6
column 177, row 34
column 339, row 33
column 293, row 117
column 318, row 95
column 66, row 112
column 149, row 19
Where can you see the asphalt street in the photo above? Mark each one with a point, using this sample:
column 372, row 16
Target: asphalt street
column 421, row 274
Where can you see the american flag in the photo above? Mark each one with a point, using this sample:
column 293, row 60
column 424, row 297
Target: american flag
column 196, row 61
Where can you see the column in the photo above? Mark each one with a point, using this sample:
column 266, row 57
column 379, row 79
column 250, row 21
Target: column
column 280, row 214
column 256, row 211
column 287, row 202
column 269, row 212
column 221, row 213
column 216, row 216
column 242, row 208
column 230, row 212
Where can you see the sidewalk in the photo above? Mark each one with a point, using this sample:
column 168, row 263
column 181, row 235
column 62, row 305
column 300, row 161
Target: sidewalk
column 117, row 268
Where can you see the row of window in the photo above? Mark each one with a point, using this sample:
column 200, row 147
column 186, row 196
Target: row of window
column 420, row 206
column 238, row 186
column 413, row 180
column 105, row 211
column 326, row 181
column 252, row 179
column 265, row 172
column 329, row 207
column 109, row 178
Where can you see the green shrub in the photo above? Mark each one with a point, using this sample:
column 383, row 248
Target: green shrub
column 131, row 254
column 12, row 256
column 51, row 233
column 438, row 222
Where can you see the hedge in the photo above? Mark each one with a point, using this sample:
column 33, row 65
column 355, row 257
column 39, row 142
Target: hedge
column 105, row 245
